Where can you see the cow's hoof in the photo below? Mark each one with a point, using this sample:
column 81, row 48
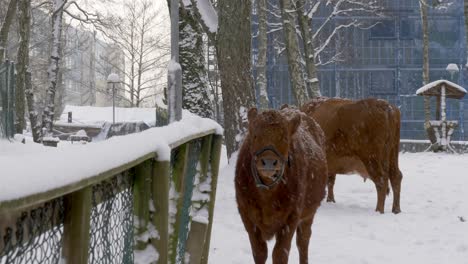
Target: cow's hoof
column 380, row 211
column 330, row 200
column 396, row 210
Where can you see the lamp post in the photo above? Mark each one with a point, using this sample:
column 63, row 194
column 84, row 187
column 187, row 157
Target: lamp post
column 113, row 78
column 452, row 68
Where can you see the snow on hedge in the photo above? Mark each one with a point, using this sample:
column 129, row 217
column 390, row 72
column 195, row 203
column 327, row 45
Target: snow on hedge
column 30, row 168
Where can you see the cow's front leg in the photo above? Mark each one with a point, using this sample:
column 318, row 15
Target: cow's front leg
column 257, row 243
column 283, row 243
column 259, row 246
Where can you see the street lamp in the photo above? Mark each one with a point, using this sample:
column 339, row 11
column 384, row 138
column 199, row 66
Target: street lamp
column 113, row 78
column 452, row 68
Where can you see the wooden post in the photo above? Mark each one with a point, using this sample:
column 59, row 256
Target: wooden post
column 142, row 196
column 76, row 231
column 177, row 179
column 444, row 122
column 214, row 163
column 198, row 230
column 160, row 189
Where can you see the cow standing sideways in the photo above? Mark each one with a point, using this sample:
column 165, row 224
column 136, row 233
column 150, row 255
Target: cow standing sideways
column 361, row 137
column 281, row 176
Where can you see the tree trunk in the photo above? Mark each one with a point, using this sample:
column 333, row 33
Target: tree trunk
column 195, row 90
column 10, row 14
column 23, row 74
column 33, row 118
column 22, row 62
column 262, row 54
column 305, row 24
column 92, row 71
column 48, row 115
column 234, row 61
column 427, row 110
column 465, row 10
column 293, row 52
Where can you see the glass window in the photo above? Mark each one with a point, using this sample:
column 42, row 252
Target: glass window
column 382, row 82
column 383, row 29
column 406, row 28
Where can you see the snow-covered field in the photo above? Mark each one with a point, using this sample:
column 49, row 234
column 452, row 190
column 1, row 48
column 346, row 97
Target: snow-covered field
column 432, row 229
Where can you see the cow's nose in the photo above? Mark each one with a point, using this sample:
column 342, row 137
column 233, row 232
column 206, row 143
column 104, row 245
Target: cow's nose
column 269, row 164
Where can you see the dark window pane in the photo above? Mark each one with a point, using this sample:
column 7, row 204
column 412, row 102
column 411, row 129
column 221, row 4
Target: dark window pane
column 383, row 29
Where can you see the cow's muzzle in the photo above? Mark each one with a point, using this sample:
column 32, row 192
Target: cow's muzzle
column 274, row 165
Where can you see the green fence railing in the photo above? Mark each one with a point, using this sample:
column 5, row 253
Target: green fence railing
column 7, row 99
column 140, row 207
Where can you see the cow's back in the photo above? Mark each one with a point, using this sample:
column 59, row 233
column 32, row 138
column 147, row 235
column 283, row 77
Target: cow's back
column 355, row 129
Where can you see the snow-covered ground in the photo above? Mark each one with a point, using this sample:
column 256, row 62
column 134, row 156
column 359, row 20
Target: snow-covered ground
column 430, row 229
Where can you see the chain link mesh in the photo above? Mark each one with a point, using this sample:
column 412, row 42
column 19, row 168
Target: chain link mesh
column 36, row 237
column 112, row 221
column 189, row 179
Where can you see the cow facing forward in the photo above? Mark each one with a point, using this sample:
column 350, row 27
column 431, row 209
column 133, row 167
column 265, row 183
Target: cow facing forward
column 280, row 180
column 361, row 137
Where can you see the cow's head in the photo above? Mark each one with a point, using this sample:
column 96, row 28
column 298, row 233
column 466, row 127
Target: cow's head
column 270, row 135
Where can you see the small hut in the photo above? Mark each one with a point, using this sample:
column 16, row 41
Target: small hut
column 443, row 128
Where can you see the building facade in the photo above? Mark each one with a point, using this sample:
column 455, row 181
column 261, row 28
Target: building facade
column 87, row 62
column 385, row 61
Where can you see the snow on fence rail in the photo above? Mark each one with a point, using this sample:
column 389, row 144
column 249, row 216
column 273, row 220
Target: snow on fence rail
column 130, row 199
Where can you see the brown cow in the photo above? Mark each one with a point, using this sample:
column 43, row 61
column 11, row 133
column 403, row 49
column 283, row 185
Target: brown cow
column 361, row 137
column 281, row 175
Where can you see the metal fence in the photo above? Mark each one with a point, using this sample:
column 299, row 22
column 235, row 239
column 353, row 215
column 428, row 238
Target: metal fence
column 7, row 99
column 110, row 217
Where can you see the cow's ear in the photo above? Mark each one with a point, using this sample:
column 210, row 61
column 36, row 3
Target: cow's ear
column 252, row 114
column 284, row 106
column 294, row 124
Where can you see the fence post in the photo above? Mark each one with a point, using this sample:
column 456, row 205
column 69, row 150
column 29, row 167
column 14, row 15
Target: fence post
column 76, row 231
column 198, row 229
column 142, row 196
column 160, row 190
column 214, row 164
column 178, row 172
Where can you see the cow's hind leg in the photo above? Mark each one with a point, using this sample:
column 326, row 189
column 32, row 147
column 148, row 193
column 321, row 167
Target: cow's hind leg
column 395, row 181
column 331, row 185
column 380, row 179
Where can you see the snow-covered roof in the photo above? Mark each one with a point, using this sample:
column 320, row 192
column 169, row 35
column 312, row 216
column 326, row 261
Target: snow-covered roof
column 453, row 90
column 28, row 169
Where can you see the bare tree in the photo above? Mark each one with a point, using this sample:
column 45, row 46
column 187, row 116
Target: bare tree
column 49, row 110
column 145, row 53
column 262, row 53
column 289, row 21
column 316, row 40
column 305, row 23
column 24, row 13
column 230, row 29
column 465, row 10
column 233, row 52
column 5, row 29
